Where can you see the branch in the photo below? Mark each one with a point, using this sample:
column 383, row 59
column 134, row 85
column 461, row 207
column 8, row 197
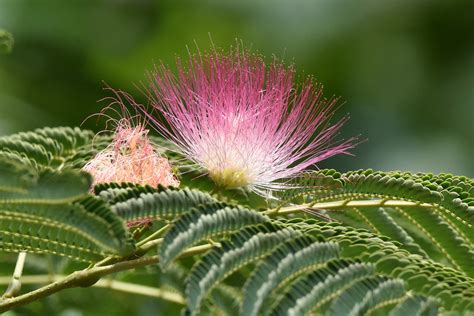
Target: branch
column 14, row 286
column 346, row 203
column 89, row 277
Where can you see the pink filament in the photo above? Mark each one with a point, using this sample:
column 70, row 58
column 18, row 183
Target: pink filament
column 131, row 158
column 234, row 112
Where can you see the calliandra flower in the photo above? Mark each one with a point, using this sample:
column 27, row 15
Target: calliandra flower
column 242, row 120
column 131, row 158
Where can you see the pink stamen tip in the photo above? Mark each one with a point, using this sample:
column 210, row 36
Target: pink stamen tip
column 131, row 158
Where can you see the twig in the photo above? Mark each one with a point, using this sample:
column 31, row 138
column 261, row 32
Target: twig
column 15, row 285
column 158, row 233
column 89, row 277
column 345, row 203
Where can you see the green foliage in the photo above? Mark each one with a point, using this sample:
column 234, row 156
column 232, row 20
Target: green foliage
column 416, row 305
column 390, row 243
column 144, row 202
column 280, row 266
column 288, row 260
column 51, row 147
column 315, row 289
column 203, row 223
column 366, row 295
column 47, row 211
column 432, row 214
column 243, row 247
column 391, row 258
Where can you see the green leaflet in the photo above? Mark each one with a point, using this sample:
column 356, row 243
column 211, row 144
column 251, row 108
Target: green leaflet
column 382, row 223
column 291, row 258
column 316, row 288
column 118, row 233
column 49, row 147
column 424, row 276
column 137, row 202
column 416, row 305
column 46, row 211
column 444, row 236
column 16, row 177
column 21, row 183
column 202, row 223
column 37, row 154
column 68, row 230
column 277, row 264
column 437, row 222
column 451, row 194
column 244, row 247
column 365, row 295
column 120, row 192
column 225, row 300
column 69, row 138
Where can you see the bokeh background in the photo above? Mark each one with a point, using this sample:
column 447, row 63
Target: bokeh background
column 404, row 68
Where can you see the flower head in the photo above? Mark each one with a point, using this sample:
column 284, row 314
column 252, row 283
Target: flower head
column 131, row 158
column 242, row 120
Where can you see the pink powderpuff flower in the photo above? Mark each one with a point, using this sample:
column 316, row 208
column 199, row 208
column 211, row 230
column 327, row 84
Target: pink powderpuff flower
column 131, row 158
column 242, row 120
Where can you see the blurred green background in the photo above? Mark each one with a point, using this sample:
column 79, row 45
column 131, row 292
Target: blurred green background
column 404, row 68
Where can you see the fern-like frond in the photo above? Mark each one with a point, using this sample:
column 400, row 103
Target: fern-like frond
column 21, row 183
column 244, row 247
column 416, row 305
column 46, row 211
column 421, row 275
column 432, row 215
column 49, row 147
column 366, row 294
column 204, row 222
column 290, row 259
column 372, row 274
column 317, row 288
column 225, row 300
column 133, row 202
column 398, row 243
